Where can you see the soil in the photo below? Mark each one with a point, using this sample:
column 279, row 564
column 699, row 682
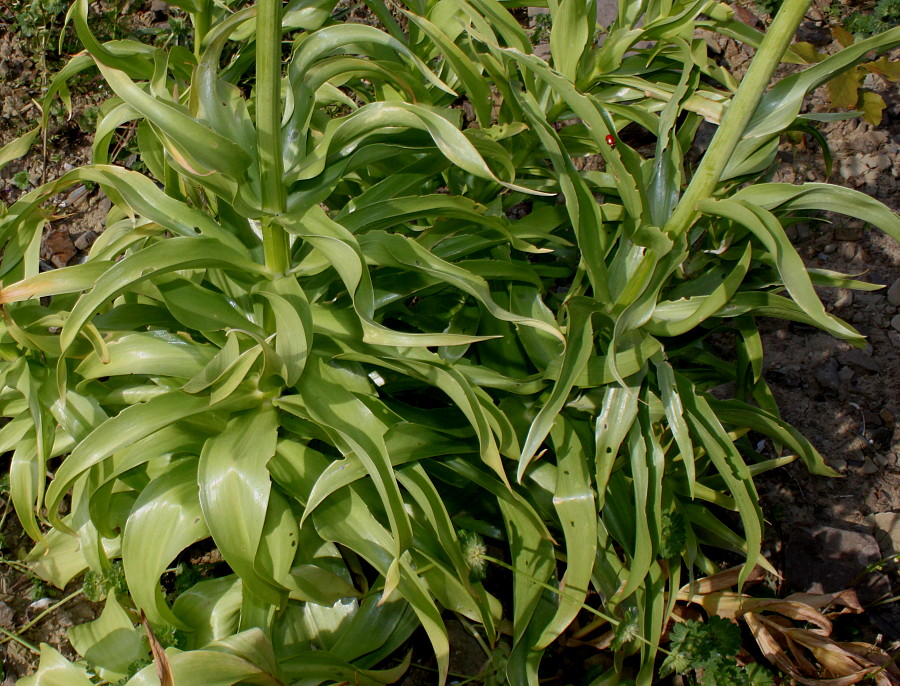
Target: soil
column 845, row 400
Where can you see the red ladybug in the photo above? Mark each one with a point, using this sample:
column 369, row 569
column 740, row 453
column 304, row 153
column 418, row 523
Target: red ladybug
column 610, row 141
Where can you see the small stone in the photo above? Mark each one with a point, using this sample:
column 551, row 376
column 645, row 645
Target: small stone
column 844, row 298
column 887, row 532
column 838, row 464
column 884, row 162
column 895, row 338
column 85, row 240
column 881, row 460
column 888, row 418
column 845, row 375
column 60, row 248
column 869, row 468
column 895, row 322
column 851, row 232
column 893, row 293
column 830, row 248
column 869, row 160
column 7, row 616
column 827, row 375
column 861, row 360
column 852, row 167
column 827, row 559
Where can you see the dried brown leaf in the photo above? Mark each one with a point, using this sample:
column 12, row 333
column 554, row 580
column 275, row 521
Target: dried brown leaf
column 160, row 659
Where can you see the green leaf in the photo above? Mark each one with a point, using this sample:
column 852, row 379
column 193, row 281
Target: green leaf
column 55, row 670
column 233, row 477
column 111, row 642
column 165, row 519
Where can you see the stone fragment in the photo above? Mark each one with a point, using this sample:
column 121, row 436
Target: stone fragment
column 844, row 298
column 887, row 532
column 895, row 322
column 7, row 616
column 827, row 559
column 861, row 360
column 827, row 376
column 59, row 247
column 850, row 232
column 85, row 240
column 846, row 375
column 893, row 293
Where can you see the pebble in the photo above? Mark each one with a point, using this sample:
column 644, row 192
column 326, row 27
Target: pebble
column 844, row 299
column 845, row 375
column 860, row 359
column 869, row 468
column 895, row 338
column 895, row 322
column 850, row 232
column 893, row 294
column 7, row 616
column 887, row 532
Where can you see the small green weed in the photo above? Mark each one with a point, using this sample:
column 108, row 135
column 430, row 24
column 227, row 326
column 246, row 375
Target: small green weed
column 20, row 180
column 885, row 15
column 97, row 586
column 708, row 651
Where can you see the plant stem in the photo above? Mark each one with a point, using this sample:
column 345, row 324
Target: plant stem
column 18, row 639
column 201, row 25
column 268, row 130
column 738, row 115
column 612, row 620
column 17, row 636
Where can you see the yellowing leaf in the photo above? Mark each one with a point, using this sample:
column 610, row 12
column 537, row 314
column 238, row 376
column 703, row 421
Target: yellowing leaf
column 872, row 107
column 889, row 70
column 842, row 36
column 807, row 52
column 844, row 89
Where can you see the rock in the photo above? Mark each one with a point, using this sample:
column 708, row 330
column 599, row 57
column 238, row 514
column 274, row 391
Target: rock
column 7, row 616
column 59, row 247
column 893, row 293
column 887, row 532
column 846, row 375
column 895, row 322
column 827, row 559
column 827, row 377
column 851, row 168
column 869, row 468
column 85, row 240
column 861, row 360
column 882, row 461
column 844, row 298
column 851, row 232
column 895, row 338
column 888, row 418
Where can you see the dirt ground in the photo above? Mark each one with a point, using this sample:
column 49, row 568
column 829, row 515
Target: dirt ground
column 823, row 533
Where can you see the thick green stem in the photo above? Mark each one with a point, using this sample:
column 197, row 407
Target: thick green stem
column 201, row 21
column 737, row 116
column 276, row 246
column 268, row 130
